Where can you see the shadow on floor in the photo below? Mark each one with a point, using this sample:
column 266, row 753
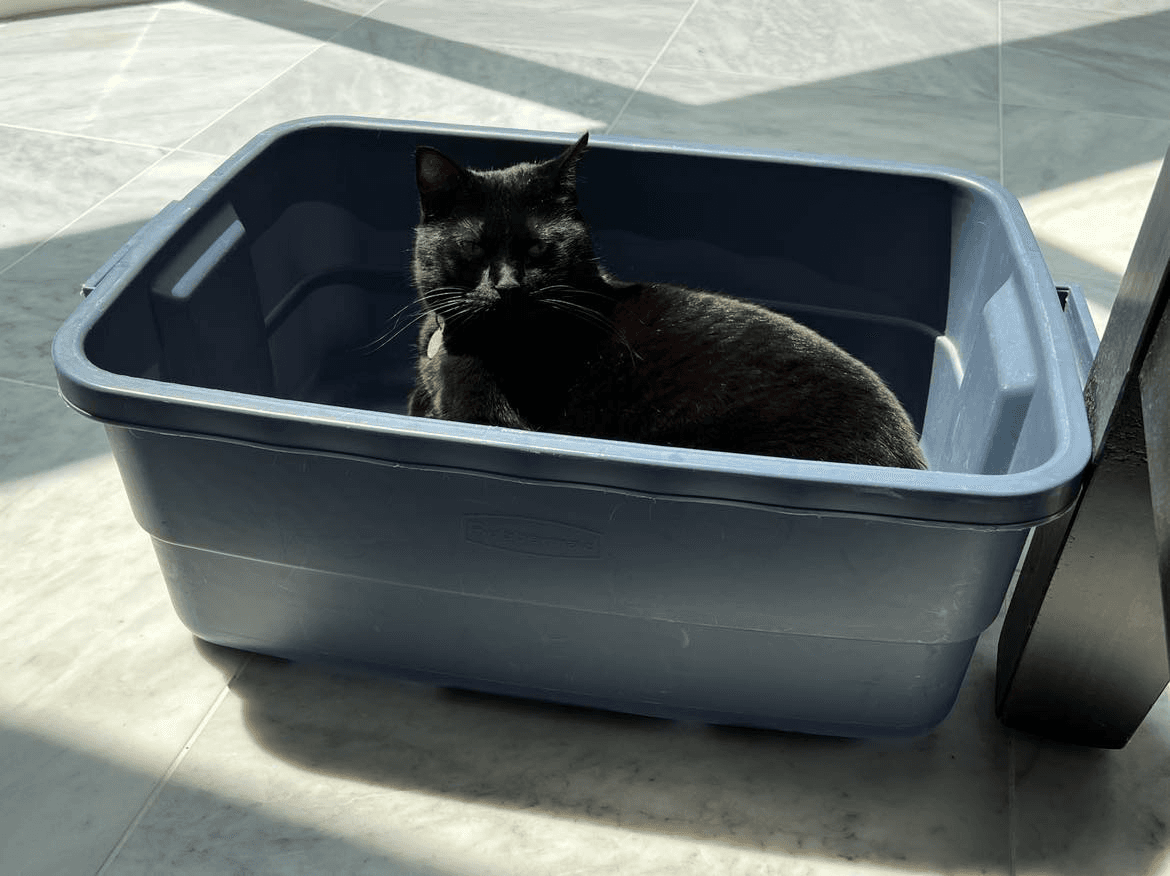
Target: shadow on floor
column 937, row 803
column 1064, row 159
column 41, row 432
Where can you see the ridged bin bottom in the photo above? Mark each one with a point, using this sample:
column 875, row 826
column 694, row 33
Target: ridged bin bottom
column 641, row 665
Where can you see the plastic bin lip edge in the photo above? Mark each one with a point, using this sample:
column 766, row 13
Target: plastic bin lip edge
column 81, row 379
column 937, row 522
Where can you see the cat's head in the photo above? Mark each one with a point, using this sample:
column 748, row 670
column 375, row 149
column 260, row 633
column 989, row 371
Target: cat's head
column 500, row 251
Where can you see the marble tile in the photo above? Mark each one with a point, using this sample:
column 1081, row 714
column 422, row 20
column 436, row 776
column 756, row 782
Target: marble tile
column 893, row 45
column 10, row 9
column 1088, row 229
column 202, row 831
column 636, row 29
column 754, row 111
column 41, row 290
column 1045, row 148
column 154, row 74
column 1085, row 811
column 1094, row 61
column 315, row 18
column 383, row 70
column 475, row 783
column 104, row 686
column 49, row 180
column 39, row 432
column 1084, row 180
column 62, row 809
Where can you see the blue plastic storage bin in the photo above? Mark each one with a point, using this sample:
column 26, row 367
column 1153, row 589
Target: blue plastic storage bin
column 292, row 517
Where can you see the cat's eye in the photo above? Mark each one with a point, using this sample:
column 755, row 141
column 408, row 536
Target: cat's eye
column 470, row 249
column 537, row 249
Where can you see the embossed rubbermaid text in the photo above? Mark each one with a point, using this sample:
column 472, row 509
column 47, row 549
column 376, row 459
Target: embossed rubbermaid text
column 540, row 537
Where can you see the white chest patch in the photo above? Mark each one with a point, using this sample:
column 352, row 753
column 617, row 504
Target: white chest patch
column 435, row 343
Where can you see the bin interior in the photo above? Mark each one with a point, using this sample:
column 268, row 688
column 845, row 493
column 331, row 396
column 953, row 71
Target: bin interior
column 912, row 274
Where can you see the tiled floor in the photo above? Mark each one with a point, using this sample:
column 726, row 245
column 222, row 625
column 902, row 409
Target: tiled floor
column 127, row 747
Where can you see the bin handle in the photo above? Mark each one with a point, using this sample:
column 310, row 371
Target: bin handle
column 1081, row 328
column 152, row 229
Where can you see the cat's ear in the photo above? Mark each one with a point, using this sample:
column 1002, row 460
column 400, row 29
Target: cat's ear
column 565, row 164
column 439, row 180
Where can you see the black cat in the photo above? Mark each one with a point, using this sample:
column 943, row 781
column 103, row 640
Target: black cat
column 523, row 328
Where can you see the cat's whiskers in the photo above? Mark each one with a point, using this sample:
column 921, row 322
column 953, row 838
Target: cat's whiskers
column 381, row 340
column 569, row 305
column 586, row 314
column 455, row 305
column 576, row 290
column 568, row 293
column 386, row 337
column 445, row 296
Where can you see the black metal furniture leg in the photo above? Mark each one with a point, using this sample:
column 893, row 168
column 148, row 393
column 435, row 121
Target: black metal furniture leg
column 1083, row 653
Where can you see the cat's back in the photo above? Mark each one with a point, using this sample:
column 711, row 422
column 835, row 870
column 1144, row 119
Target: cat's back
column 669, row 324
column 690, row 368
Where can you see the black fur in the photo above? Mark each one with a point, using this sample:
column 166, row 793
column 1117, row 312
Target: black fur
column 532, row 334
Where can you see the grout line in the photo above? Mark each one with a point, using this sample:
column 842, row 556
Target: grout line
column 231, row 109
column 999, row 79
column 167, row 151
column 28, row 383
column 321, row 43
column 119, row 75
column 31, row 246
column 161, row 784
column 670, row 39
column 203, row 153
column 56, row 133
column 64, row 228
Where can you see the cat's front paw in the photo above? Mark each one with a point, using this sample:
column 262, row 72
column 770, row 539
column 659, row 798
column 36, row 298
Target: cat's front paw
column 419, row 403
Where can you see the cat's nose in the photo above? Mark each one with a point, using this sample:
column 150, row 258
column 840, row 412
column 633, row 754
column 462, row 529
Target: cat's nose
column 507, row 283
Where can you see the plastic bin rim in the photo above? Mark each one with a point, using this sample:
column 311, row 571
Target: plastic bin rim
column 80, row 378
column 1057, row 470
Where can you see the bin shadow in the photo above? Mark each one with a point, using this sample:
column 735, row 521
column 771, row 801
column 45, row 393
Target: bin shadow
column 939, row 803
